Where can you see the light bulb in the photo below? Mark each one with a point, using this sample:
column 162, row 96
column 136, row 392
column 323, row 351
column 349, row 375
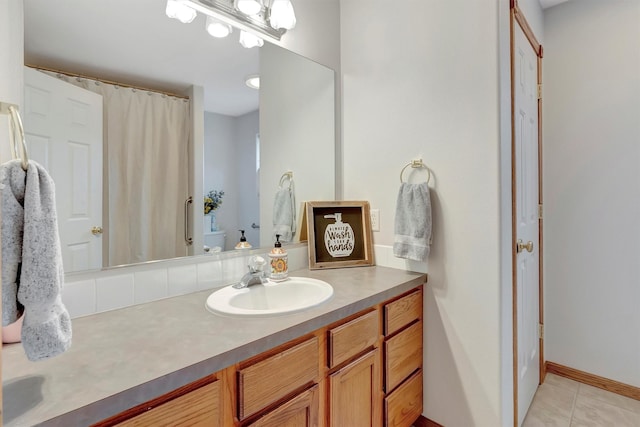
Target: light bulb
column 249, row 7
column 217, row 28
column 249, row 40
column 282, row 15
column 180, row 11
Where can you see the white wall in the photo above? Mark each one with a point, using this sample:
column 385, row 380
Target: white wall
column 592, row 187
column 297, row 131
column 317, row 32
column 420, row 79
column 11, row 63
column 246, row 129
column 317, row 37
column 229, row 165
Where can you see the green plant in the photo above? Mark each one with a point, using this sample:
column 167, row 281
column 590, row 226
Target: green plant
column 212, row 201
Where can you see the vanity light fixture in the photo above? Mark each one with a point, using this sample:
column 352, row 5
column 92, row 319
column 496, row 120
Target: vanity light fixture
column 281, row 15
column 273, row 18
column 180, row 11
column 249, row 7
column 217, row 28
column 253, row 81
column 250, row 40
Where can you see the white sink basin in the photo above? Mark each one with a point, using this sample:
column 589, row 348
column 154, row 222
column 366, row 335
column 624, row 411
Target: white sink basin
column 272, row 298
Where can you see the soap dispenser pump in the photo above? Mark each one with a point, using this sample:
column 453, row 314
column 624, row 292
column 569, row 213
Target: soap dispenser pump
column 243, row 244
column 279, row 261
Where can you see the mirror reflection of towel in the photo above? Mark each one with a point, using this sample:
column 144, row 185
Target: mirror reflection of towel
column 412, row 222
column 284, row 214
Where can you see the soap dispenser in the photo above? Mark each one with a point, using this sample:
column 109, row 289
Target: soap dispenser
column 243, row 244
column 279, row 261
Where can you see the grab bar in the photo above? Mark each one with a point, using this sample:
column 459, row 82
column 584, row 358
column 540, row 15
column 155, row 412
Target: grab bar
column 187, row 238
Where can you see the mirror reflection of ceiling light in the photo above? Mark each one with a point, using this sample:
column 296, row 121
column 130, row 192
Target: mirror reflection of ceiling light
column 253, row 81
column 249, row 7
column 249, row 40
column 281, row 15
column 217, row 28
column 180, row 11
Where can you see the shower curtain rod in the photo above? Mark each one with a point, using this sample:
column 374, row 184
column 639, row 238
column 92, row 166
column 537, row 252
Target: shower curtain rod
column 111, row 82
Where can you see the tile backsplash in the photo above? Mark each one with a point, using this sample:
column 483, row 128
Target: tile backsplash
column 93, row 292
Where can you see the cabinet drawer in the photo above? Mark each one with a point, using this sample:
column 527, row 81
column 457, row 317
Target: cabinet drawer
column 402, row 355
column 200, row 407
column 271, row 379
column 352, row 338
column 404, row 405
column 403, row 311
column 301, row 411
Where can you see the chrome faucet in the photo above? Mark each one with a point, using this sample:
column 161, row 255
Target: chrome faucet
column 256, row 275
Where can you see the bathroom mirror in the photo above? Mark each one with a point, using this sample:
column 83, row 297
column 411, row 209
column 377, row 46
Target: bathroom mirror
column 134, row 42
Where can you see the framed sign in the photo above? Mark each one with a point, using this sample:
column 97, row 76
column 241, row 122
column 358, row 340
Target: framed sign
column 339, row 234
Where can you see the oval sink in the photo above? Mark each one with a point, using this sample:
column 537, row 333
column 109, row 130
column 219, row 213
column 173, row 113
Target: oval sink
column 288, row 296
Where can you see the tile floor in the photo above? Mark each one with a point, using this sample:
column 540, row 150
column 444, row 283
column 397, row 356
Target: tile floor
column 561, row 402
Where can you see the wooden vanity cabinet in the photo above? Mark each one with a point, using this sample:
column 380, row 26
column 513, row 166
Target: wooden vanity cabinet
column 267, row 381
column 365, row 370
column 355, row 393
column 198, row 404
column 355, row 377
column 301, row 411
column 403, row 360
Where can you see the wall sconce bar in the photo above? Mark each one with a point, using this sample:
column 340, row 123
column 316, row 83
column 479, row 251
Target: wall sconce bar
column 226, row 12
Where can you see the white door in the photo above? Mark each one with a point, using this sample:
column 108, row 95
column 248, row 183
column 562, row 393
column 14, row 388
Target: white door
column 63, row 129
column 526, row 174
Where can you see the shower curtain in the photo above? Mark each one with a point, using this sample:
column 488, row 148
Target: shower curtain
column 146, row 137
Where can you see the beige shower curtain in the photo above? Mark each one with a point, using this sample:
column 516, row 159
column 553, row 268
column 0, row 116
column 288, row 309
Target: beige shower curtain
column 146, row 137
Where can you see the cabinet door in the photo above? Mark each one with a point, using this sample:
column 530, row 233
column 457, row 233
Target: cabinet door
column 201, row 407
column 301, row 411
column 355, row 393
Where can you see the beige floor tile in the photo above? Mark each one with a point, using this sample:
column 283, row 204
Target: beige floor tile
column 539, row 416
column 611, row 398
column 554, row 400
column 563, row 382
column 591, row 412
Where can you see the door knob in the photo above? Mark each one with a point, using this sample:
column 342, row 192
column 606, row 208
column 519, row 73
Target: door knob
column 520, row 246
column 96, row 230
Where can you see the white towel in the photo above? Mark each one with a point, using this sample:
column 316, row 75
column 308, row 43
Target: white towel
column 412, row 222
column 284, row 213
column 32, row 272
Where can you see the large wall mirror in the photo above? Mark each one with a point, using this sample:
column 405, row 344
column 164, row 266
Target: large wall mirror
column 251, row 137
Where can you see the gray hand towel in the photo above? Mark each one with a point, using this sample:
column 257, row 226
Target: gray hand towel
column 412, row 222
column 284, row 213
column 32, row 271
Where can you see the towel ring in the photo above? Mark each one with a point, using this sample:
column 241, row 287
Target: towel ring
column 16, row 124
column 287, row 175
column 418, row 163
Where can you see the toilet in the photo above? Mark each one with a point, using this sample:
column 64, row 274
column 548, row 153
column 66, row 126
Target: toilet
column 213, row 240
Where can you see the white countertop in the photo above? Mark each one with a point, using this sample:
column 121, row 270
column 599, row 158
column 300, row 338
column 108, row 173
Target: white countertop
column 125, row 357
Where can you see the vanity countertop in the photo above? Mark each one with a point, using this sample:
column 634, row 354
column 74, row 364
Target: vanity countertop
column 125, row 357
